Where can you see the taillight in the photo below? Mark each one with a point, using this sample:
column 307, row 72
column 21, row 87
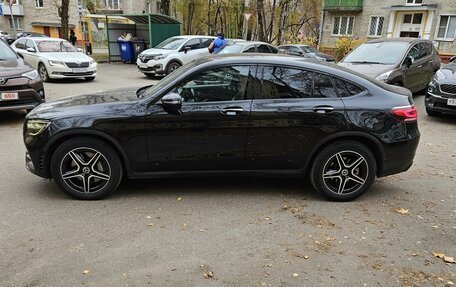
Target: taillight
column 407, row 114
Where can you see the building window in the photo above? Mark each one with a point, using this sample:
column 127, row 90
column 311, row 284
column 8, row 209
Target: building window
column 376, row 26
column 17, row 23
column 343, row 25
column 447, row 27
column 415, row 18
column 113, row 4
column 414, row 2
column 38, row 3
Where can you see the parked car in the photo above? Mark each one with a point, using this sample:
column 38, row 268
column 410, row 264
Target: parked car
column 225, row 115
column 7, row 37
column 55, row 58
column 407, row 62
column 20, row 85
column 31, row 34
column 173, row 53
column 441, row 92
column 305, row 51
column 249, row 47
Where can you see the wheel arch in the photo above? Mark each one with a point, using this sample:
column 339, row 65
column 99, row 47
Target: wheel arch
column 172, row 61
column 52, row 145
column 373, row 144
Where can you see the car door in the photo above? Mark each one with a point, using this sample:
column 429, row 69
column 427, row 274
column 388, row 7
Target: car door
column 32, row 57
column 414, row 75
column 292, row 112
column 209, row 133
column 191, row 50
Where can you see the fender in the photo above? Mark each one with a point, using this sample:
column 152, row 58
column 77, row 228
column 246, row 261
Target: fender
column 83, row 132
column 347, row 135
column 174, row 60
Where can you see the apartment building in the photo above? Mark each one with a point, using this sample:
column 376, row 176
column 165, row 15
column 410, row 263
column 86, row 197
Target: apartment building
column 369, row 19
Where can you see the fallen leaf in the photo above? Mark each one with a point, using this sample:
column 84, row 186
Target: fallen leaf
column 449, row 259
column 267, row 218
column 402, row 211
column 85, row 271
column 295, row 274
column 151, row 224
column 149, row 217
column 438, row 254
column 179, row 198
column 208, row 274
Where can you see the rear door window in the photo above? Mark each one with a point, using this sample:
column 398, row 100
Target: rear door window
column 346, row 89
column 193, row 44
column 263, row 49
column 286, row 83
column 205, row 43
column 250, row 49
column 323, row 87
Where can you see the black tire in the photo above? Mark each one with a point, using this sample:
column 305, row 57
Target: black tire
column 42, row 71
column 89, row 79
column 350, row 179
column 432, row 113
column 172, row 67
column 93, row 169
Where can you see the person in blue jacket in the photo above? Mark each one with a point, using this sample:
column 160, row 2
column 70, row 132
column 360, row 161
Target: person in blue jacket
column 218, row 44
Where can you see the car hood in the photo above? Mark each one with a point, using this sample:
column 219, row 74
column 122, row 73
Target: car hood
column 156, row 52
column 90, row 104
column 449, row 71
column 66, row 56
column 13, row 67
column 371, row 70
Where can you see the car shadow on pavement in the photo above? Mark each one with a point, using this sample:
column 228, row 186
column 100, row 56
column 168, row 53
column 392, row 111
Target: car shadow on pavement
column 69, row 81
column 12, row 117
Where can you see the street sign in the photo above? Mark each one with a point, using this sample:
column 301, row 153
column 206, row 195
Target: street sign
column 247, row 16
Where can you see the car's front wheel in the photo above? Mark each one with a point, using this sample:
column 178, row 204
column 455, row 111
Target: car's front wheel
column 86, row 168
column 43, row 72
column 172, row 67
column 343, row 170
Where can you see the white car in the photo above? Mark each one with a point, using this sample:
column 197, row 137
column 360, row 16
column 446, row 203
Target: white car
column 55, row 58
column 173, row 53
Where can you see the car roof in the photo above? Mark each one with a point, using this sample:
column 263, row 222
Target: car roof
column 193, row 36
column 403, row 40
column 245, row 43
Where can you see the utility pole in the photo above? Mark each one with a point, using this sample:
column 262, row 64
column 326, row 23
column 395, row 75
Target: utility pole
column 10, row 2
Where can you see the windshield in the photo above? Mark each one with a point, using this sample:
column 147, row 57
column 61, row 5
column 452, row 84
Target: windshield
column 55, row 46
column 386, row 53
column 170, row 44
column 232, row 49
column 309, row 49
column 5, row 52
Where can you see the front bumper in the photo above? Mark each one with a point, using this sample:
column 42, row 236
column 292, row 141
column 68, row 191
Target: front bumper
column 61, row 72
column 30, row 94
column 438, row 103
column 151, row 66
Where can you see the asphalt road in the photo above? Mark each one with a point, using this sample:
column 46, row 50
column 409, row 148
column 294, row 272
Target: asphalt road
column 246, row 231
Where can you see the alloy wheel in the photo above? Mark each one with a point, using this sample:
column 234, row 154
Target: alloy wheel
column 43, row 73
column 345, row 172
column 85, row 170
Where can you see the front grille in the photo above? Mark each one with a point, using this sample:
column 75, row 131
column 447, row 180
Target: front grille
column 13, row 88
column 77, row 65
column 448, row 88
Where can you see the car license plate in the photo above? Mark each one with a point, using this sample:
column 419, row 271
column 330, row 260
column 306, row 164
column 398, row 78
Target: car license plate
column 143, row 66
column 451, row 102
column 10, row 96
column 79, row 70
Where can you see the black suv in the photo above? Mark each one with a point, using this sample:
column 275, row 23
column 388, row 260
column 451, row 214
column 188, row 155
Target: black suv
column 248, row 114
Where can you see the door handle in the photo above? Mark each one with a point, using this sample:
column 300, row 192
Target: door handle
column 323, row 109
column 232, row 111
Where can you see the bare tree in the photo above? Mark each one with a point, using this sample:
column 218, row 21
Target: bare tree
column 261, row 21
column 62, row 10
column 165, row 7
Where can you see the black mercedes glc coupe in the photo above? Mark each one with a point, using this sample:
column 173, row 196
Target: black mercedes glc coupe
column 229, row 115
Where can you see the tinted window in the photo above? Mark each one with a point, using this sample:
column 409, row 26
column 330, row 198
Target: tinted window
column 193, row 44
column 284, row 83
column 414, row 52
column 21, row 44
column 295, row 51
column 263, row 49
column 250, row 50
column 346, row 89
column 273, row 49
column 220, row 84
column 205, row 43
column 323, row 87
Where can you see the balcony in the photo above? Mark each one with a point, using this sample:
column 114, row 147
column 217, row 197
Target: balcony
column 343, row 5
column 17, row 10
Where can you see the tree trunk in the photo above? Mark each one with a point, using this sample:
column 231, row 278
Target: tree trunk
column 191, row 9
column 165, row 7
column 260, row 11
column 63, row 13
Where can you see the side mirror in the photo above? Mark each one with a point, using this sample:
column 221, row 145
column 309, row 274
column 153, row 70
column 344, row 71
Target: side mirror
column 408, row 61
column 186, row 49
column 453, row 59
column 172, row 103
column 31, row 50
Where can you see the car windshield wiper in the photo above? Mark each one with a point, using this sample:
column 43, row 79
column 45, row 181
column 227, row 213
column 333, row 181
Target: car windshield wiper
column 365, row 62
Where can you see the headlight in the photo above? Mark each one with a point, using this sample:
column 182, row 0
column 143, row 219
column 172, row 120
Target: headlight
column 384, row 77
column 56, row 63
column 439, row 76
column 91, row 62
column 36, row 127
column 159, row 57
column 31, row 75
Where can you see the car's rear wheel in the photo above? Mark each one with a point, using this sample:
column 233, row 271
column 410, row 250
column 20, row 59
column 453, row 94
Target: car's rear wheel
column 43, row 72
column 86, row 168
column 432, row 113
column 172, row 67
column 343, row 170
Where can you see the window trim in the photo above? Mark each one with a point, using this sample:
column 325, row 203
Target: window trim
column 376, row 26
column 414, row 3
column 17, row 21
column 340, row 22
column 437, row 38
column 110, row 6
column 37, row 6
